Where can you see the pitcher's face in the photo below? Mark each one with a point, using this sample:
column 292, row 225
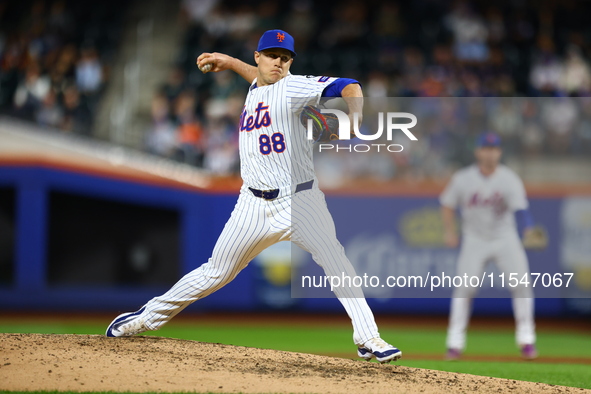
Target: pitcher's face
column 273, row 65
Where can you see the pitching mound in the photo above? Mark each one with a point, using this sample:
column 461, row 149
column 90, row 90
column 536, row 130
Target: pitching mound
column 97, row 363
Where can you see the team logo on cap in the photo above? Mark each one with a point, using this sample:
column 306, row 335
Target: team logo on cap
column 280, row 36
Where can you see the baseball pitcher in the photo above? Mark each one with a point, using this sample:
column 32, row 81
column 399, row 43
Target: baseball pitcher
column 279, row 199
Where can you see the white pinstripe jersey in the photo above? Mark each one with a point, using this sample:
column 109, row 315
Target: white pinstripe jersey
column 274, row 150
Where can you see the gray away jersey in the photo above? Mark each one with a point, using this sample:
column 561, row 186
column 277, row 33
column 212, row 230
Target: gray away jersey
column 274, row 149
column 487, row 204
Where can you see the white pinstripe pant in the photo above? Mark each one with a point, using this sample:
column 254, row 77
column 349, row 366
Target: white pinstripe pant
column 254, row 225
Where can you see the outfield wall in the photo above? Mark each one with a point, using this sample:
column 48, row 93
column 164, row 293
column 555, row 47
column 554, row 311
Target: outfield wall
column 85, row 241
column 86, row 225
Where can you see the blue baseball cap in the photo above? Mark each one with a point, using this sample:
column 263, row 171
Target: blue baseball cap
column 488, row 139
column 276, row 39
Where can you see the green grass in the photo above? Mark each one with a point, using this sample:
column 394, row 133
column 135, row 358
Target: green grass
column 337, row 340
column 575, row 375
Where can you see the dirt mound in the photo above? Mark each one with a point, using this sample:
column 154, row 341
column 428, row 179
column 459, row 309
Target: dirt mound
column 97, row 363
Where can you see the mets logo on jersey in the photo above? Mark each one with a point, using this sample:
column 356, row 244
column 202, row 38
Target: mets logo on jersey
column 261, row 118
column 496, row 202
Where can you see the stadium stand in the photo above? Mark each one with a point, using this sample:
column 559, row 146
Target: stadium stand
column 55, row 57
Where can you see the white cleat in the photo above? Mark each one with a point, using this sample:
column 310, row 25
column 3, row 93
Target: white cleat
column 380, row 349
column 127, row 324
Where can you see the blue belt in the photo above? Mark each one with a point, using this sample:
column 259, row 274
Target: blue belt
column 273, row 194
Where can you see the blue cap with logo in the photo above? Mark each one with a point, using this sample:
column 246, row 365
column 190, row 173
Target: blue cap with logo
column 488, row 139
column 276, row 39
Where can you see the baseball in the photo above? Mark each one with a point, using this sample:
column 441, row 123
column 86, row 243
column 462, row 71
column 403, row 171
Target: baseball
column 206, row 68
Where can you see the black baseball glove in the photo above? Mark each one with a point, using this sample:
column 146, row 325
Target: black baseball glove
column 325, row 127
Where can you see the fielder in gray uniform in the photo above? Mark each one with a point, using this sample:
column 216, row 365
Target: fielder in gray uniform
column 279, row 200
column 492, row 200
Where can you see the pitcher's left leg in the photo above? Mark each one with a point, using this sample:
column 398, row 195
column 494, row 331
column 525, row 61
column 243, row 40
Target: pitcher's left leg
column 314, row 231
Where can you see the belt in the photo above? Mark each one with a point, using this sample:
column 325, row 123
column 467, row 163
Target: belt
column 273, row 194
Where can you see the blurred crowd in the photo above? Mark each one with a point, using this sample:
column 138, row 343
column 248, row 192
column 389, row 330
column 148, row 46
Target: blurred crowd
column 54, row 61
column 423, row 48
column 530, row 127
column 54, row 58
column 197, row 126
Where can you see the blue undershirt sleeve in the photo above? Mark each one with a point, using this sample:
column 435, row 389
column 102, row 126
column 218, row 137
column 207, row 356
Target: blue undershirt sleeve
column 337, row 86
column 524, row 220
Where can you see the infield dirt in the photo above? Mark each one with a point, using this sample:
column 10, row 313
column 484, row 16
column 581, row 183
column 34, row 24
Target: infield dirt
column 140, row 364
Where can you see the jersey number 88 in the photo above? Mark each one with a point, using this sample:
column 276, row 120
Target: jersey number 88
column 275, row 143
